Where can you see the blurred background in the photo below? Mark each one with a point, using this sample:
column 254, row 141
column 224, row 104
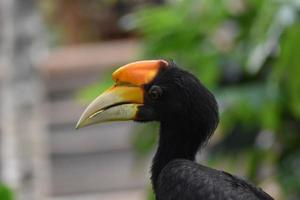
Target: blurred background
column 57, row 55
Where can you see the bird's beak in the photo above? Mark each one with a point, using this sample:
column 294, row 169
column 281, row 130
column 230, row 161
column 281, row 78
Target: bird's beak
column 121, row 101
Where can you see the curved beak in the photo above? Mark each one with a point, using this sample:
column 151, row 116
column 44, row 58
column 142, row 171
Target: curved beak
column 121, row 102
column 118, row 103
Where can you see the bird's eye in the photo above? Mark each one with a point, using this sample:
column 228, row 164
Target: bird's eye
column 155, row 92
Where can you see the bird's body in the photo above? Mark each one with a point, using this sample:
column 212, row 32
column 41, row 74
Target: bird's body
column 187, row 180
column 158, row 90
column 177, row 176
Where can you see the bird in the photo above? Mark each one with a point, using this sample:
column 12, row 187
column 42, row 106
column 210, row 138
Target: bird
column 160, row 90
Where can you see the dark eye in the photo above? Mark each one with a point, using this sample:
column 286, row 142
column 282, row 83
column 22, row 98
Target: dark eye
column 155, row 92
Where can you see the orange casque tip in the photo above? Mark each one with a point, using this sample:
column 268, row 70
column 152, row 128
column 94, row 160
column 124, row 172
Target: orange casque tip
column 139, row 73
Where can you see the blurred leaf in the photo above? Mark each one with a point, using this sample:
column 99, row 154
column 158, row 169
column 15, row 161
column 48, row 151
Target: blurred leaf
column 215, row 40
column 150, row 194
column 92, row 91
column 5, row 193
column 287, row 69
column 145, row 137
column 289, row 174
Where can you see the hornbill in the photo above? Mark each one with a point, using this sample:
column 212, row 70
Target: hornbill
column 158, row 90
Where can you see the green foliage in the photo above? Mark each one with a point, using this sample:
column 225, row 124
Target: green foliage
column 5, row 193
column 145, row 137
column 150, row 195
column 287, row 69
column 247, row 52
column 92, row 91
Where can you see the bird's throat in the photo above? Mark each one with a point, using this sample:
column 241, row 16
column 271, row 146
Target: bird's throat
column 174, row 143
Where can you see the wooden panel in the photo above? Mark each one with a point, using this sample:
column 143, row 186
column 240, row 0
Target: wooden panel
column 97, row 159
column 106, row 137
column 64, row 112
column 97, row 173
column 116, row 195
column 88, row 57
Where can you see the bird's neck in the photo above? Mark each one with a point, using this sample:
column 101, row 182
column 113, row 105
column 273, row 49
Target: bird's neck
column 174, row 143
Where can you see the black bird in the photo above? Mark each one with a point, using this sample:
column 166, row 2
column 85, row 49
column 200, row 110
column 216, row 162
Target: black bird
column 158, row 90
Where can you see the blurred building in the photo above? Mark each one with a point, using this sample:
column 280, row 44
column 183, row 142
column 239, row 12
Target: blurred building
column 42, row 155
column 96, row 160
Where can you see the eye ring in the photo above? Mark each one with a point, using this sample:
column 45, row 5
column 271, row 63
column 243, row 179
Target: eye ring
column 155, row 92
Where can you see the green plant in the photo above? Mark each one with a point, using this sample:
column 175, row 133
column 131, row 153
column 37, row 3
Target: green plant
column 247, row 53
column 5, row 193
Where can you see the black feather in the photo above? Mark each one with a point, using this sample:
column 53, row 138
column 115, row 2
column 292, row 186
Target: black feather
column 184, row 179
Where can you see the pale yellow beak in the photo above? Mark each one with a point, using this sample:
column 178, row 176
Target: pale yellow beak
column 116, row 104
column 121, row 101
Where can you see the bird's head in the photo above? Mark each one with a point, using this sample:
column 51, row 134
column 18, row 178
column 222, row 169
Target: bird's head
column 154, row 90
